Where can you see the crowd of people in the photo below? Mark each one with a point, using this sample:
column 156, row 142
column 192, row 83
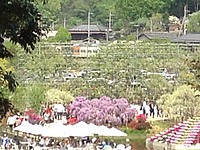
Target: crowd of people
column 30, row 143
column 150, row 109
column 49, row 112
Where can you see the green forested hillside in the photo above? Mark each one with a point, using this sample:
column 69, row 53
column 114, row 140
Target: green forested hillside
column 124, row 12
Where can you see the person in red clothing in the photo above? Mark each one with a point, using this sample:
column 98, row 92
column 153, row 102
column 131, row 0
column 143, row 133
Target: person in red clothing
column 48, row 114
column 72, row 120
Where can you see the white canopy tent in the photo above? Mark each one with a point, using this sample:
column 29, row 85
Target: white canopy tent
column 95, row 129
column 56, row 130
column 36, row 129
column 117, row 132
column 80, row 129
column 25, row 127
column 92, row 129
column 105, row 131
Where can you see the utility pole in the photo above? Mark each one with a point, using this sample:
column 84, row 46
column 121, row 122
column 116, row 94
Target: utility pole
column 89, row 27
column 151, row 28
column 109, row 26
column 64, row 22
column 110, row 22
column 183, row 24
column 137, row 31
column 88, row 44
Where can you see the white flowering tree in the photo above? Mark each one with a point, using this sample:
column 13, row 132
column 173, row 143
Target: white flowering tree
column 183, row 103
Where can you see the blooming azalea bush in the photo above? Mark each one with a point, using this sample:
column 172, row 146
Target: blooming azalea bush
column 139, row 123
column 141, row 118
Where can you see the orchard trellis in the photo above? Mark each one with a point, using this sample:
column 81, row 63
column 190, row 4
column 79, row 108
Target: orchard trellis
column 129, row 60
column 120, row 64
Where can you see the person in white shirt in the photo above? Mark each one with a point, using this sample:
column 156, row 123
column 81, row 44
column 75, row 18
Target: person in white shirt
column 11, row 121
column 59, row 108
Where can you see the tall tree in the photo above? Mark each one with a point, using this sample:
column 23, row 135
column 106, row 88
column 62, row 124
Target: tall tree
column 20, row 22
column 177, row 7
column 194, row 22
column 50, row 11
column 63, row 35
column 183, row 103
column 131, row 10
column 194, row 67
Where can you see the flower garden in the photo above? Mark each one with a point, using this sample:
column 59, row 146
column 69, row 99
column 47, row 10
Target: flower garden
column 102, row 111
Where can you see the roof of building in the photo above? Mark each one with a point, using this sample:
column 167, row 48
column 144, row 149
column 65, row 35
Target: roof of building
column 93, row 27
column 188, row 38
column 158, row 35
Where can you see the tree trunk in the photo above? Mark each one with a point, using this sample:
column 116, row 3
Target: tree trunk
column 5, row 118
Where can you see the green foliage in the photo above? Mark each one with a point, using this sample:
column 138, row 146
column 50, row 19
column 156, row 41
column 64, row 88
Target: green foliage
column 131, row 38
column 155, row 22
column 73, row 21
column 159, row 126
column 176, row 7
column 38, row 64
column 163, row 124
column 132, row 10
column 123, row 12
column 50, row 11
column 29, row 95
column 118, row 63
column 55, row 95
column 194, row 22
column 193, row 75
column 132, row 132
column 183, row 102
column 141, row 21
column 62, row 35
column 20, row 23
